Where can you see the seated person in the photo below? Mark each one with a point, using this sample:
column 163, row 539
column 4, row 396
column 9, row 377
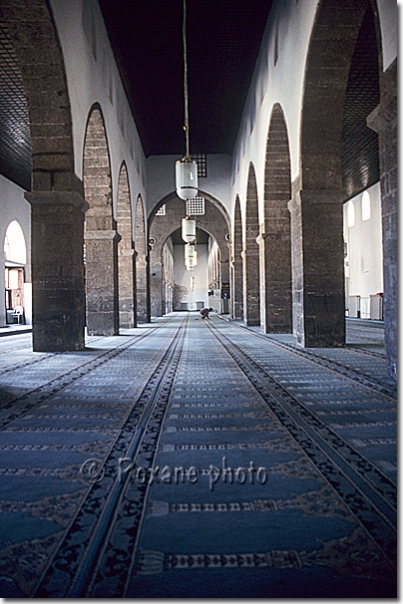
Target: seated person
column 205, row 312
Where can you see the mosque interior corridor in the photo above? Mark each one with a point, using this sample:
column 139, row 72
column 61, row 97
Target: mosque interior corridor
column 198, row 458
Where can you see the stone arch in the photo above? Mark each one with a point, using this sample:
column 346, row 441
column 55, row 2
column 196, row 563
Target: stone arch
column 101, row 238
column 125, row 252
column 177, row 286
column 316, row 208
column 275, row 239
column 251, row 272
column 214, row 222
column 237, row 264
column 56, row 196
column 328, row 65
column 142, row 306
column 35, row 41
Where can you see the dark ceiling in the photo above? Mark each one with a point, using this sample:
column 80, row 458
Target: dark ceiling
column 223, row 40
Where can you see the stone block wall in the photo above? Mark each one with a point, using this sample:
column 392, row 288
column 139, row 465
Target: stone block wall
column 384, row 121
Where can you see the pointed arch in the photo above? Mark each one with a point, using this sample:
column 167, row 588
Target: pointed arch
column 15, row 249
column 275, row 250
column 38, row 51
column 326, row 79
column 237, row 264
column 142, row 312
column 251, row 271
column 214, row 222
column 125, row 251
column 101, row 238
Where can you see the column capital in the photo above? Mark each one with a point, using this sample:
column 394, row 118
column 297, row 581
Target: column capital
column 102, row 234
column 250, row 253
column 126, row 252
column 319, row 196
column 322, row 195
column 48, row 198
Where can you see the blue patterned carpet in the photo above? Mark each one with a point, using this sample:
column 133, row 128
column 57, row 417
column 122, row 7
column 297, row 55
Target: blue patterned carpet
column 256, row 473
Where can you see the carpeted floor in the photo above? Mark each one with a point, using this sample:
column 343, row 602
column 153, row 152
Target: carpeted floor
column 230, row 466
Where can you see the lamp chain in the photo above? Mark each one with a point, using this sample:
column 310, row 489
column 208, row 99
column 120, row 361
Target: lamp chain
column 185, row 82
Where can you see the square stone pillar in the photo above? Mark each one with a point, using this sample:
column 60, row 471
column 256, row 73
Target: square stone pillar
column 141, row 289
column 156, row 288
column 58, row 291
column 101, row 275
column 251, row 293
column 383, row 120
column 126, row 288
column 236, row 290
column 318, row 269
column 275, row 280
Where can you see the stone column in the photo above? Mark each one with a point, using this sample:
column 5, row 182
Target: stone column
column 57, row 226
column 236, row 289
column 251, row 293
column 101, row 282
column 3, row 321
column 275, row 280
column 318, row 268
column 156, row 287
column 141, row 288
column 223, row 283
column 126, row 288
column 384, row 121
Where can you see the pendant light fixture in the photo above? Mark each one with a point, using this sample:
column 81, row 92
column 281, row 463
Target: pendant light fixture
column 186, row 168
column 190, row 256
column 188, row 229
column 191, row 252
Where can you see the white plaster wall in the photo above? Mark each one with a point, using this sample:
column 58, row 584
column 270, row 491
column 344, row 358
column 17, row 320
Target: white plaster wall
column 364, row 245
column 15, row 207
column 283, row 83
column 183, row 277
column 161, row 178
column 90, row 81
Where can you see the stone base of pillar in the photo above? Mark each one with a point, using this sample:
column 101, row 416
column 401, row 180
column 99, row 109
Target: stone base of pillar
column 324, row 320
column 57, row 271
column 251, row 287
column 142, row 314
column 318, row 269
column 58, row 318
column 101, row 282
column 126, row 288
column 277, row 314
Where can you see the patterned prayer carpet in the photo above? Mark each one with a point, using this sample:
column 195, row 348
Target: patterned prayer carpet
column 189, row 459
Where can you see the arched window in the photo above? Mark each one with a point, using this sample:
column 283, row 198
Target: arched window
column 14, row 244
column 350, row 214
column 365, row 206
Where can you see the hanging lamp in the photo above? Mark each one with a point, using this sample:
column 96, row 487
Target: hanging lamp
column 186, row 168
column 191, row 253
column 188, row 229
